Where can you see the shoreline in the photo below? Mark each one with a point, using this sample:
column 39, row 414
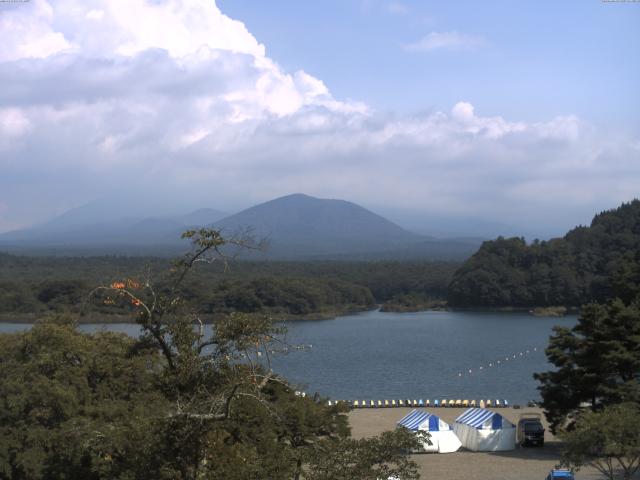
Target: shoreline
column 116, row 318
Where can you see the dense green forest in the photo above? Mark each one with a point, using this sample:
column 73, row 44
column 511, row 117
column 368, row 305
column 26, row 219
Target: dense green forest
column 32, row 286
column 590, row 263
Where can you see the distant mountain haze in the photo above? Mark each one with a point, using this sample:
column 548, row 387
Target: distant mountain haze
column 202, row 216
column 323, row 224
column 296, row 226
column 94, row 225
column 459, row 226
column 122, row 206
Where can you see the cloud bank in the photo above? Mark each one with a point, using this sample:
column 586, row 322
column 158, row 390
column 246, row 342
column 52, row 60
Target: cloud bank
column 174, row 100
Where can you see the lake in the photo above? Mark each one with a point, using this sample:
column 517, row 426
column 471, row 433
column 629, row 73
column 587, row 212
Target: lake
column 376, row 355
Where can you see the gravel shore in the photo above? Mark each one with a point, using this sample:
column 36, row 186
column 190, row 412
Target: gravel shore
column 531, row 463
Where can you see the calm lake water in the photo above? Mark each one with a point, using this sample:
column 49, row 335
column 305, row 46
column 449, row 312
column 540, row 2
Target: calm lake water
column 377, row 355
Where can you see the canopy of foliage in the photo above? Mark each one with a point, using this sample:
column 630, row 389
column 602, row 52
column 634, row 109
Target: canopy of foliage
column 31, row 286
column 608, row 440
column 75, row 405
column 568, row 271
column 597, row 361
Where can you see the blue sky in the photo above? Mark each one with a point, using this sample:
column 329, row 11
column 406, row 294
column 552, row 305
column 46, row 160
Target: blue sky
column 540, row 58
column 517, row 112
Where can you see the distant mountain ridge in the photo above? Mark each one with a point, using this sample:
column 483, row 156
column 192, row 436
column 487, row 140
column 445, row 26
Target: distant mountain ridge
column 79, row 229
column 323, row 226
column 297, row 226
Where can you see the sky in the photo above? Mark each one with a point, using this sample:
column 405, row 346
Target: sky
column 525, row 113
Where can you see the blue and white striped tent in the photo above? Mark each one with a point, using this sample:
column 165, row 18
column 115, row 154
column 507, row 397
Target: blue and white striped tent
column 481, row 418
column 421, row 420
column 442, row 438
column 484, row 430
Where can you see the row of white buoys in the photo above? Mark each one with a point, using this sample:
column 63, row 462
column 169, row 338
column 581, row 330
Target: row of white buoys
column 290, row 348
column 499, row 362
column 422, row 403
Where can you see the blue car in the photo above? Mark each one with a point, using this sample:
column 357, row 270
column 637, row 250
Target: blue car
column 560, row 474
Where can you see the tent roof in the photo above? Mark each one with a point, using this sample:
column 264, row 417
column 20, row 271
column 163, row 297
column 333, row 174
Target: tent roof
column 478, row 417
column 414, row 419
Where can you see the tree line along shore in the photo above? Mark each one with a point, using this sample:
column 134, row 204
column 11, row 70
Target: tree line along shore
column 36, row 286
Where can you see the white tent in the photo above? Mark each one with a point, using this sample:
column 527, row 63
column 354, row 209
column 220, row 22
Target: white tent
column 442, row 439
column 483, row 430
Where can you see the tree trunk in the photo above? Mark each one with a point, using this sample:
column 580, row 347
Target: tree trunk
column 298, row 469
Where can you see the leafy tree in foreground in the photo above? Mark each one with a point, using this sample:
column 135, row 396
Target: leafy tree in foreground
column 598, row 361
column 608, row 440
column 375, row 458
column 74, row 405
column 181, row 402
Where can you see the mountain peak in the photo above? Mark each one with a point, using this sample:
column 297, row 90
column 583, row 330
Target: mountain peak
column 318, row 226
column 300, row 198
column 296, row 196
column 298, row 226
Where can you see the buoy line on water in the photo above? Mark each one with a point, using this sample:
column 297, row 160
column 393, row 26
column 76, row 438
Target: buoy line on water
column 500, row 362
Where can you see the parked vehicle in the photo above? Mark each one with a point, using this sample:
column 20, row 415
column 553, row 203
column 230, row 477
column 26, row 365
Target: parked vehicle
column 560, row 474
column 530, row 430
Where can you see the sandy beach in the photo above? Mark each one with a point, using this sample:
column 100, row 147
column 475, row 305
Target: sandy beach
column 531, row 463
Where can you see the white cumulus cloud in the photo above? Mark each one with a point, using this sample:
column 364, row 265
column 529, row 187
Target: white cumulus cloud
column 175, row 99
column 27, row 33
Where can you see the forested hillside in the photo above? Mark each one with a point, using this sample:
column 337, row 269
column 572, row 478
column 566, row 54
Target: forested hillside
column 33, row 286
column 587, row 264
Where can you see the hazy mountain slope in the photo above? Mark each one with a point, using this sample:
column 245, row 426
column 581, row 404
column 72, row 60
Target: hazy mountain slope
column 86, row 227
column 298, row 227
column 302, row 225
column 200, row 217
